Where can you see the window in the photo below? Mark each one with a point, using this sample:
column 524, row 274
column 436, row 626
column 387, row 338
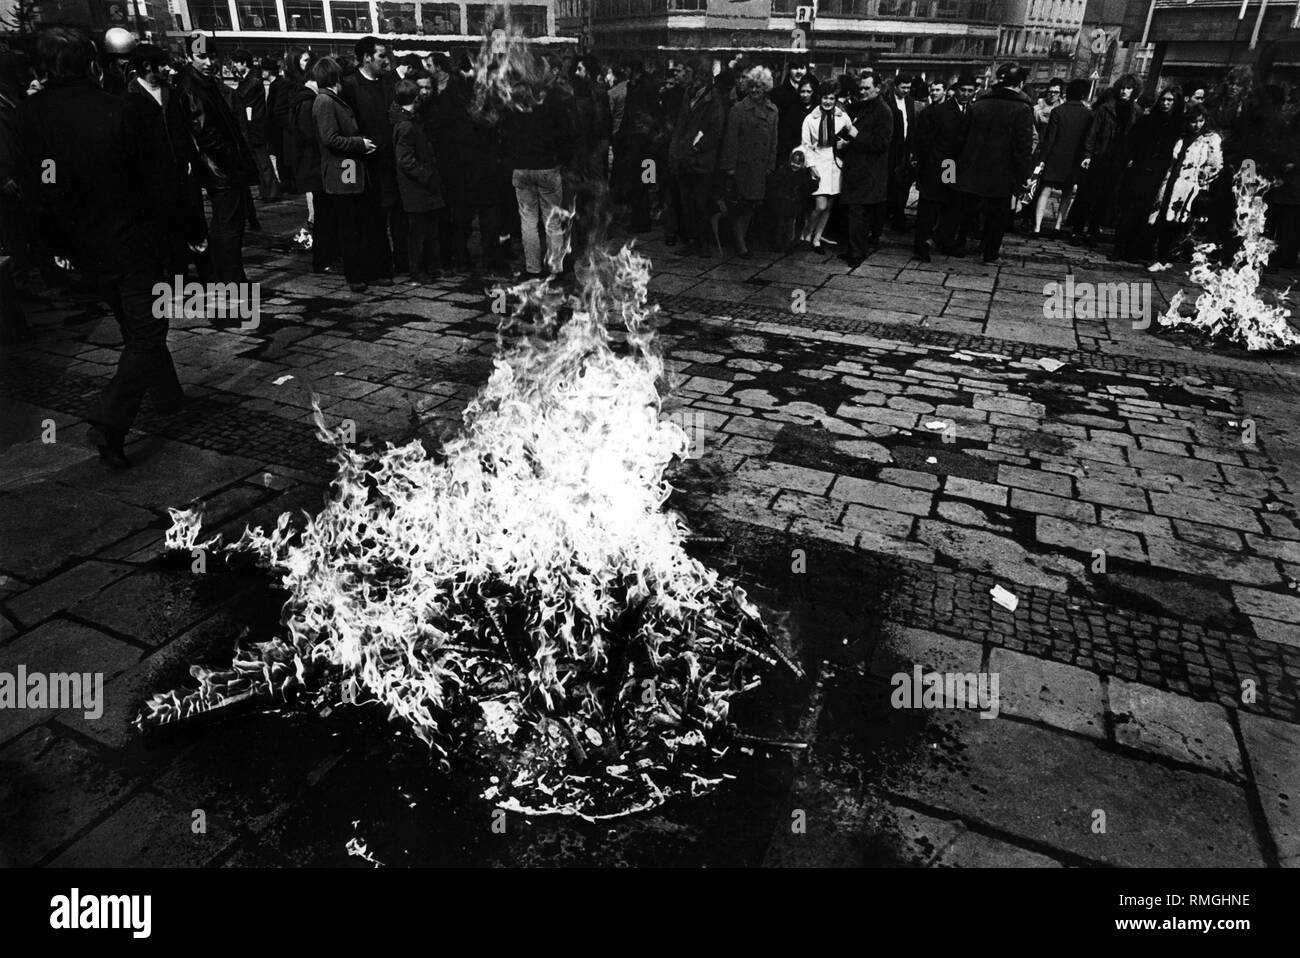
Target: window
column 483, row 19
column 396, row 17
column 304, row 15
column 439, row 18
column 257, row 15
column 686, row 6
column 210, row 14
column 350, row 17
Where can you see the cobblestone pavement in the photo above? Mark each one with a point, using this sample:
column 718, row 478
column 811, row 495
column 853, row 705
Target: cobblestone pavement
column 876, row 451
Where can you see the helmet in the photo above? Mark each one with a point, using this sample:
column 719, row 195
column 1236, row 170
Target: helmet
column 118, row 41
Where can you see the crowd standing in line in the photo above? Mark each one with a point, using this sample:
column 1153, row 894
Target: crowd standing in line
column 405, row 179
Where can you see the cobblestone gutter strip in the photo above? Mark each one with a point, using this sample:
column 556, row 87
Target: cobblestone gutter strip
column 674, row 306
column 1176, row 656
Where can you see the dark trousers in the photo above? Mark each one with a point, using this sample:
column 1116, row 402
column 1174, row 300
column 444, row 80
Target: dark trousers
column 325, row 243
column 145, row 364
column 671, row 202
column 693, row 203
column 226, row 235
column 268, row 187
column 461, row 205
column 343, row 215
column 375, row 257
column 997, row 217
column 940, row 219
column 422, row 243
column 865, row 221
column 896, row 192
column 398, row 230
column 489, row 233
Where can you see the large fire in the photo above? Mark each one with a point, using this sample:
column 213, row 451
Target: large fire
column 525, row 595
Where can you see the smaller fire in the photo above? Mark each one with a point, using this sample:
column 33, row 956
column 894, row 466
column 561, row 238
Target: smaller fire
column 1229, row 306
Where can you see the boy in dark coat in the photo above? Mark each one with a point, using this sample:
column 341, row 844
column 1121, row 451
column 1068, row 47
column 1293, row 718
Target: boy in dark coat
column 418, row 183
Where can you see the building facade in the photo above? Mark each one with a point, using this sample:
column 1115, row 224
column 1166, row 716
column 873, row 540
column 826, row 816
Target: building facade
column 1042, row 36
column 931, row 37
column 271, row 26
column 1200, row 41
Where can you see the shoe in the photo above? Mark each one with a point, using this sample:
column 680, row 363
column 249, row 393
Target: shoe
column 922, row 254
column 434, row 276
column 109, row 442
column 418, row 279
column 384, row 281
column 989, row 260
column 815, row 246
column 746, row 254
column 358, row 287
column 956, row 252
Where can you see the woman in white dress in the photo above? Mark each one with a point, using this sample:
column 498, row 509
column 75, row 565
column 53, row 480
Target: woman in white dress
column 821, row 128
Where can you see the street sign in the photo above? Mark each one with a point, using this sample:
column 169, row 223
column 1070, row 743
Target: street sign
column 803, row 14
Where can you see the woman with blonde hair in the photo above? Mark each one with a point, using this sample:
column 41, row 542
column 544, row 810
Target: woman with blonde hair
column 749, row 150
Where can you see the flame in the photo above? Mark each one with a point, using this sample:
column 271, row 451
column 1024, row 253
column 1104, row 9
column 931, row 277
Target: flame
column 1229, row 305
column 528, row 578
column 184, row 532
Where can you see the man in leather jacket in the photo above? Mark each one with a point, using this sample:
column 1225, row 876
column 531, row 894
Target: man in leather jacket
column 225, row 164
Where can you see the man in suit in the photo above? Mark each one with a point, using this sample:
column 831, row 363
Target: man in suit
column 901, row 159
column 997, row 156
column 940, row 133
column 83, row 174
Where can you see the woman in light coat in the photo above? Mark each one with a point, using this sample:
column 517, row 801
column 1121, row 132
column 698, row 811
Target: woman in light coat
column 1197, row 163
column 821, row 128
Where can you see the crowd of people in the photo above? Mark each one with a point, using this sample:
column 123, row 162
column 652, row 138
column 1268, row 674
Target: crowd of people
column 137, row 166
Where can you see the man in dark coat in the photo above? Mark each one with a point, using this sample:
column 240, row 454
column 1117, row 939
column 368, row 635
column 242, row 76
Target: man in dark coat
column 82, row 173
column 693, row 154
column 790, row 108
column 445, row 115
column 251, row 96
column 997, row 156
column 157, row 124
column 225, row 165
column 276, row 115
column 370, row 94
column 864, row 186
column 940, row 134
column 902, row 162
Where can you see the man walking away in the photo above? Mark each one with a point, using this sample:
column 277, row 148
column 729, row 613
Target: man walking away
column 998, row 154
column 83, row 173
